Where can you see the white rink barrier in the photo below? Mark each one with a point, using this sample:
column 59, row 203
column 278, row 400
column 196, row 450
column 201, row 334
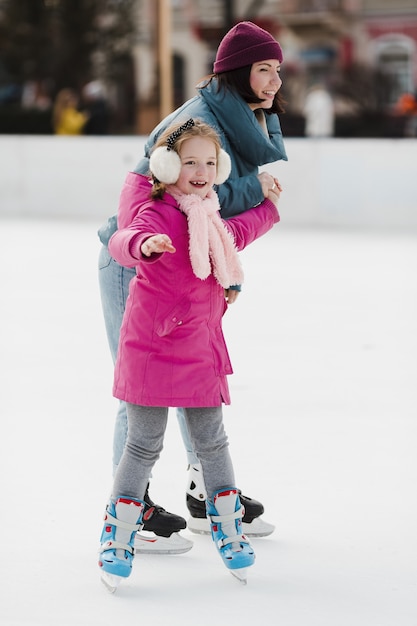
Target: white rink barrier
column 369, row 183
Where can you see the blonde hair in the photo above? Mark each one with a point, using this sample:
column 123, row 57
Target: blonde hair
column 174, row 136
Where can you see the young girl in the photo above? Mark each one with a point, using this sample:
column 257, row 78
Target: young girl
column 172, row 351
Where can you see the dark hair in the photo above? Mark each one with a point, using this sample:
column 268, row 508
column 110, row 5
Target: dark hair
column 239, row 81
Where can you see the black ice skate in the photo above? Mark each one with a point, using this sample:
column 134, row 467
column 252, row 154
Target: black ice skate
column 252, row 524
column 161, row 531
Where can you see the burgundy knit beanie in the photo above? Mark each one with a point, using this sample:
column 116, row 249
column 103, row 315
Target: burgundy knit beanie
column 245, row 44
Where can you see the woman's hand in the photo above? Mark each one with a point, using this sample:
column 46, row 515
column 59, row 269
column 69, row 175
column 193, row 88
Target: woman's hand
column 266, row 181
column 275, row 192
column 269, row 183
column 157, row 244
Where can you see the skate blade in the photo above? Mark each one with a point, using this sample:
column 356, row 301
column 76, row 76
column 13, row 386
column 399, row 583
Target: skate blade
column 199, row 525
column 110, row 581
column 154, row 544
column 240, row 574
column 257, row 528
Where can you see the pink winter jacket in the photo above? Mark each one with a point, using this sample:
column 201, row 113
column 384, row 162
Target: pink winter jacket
column 171, row 349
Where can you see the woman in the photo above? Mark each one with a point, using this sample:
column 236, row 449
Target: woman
column 241, row 101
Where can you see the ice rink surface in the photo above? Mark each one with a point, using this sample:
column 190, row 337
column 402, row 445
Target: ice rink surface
column 322, row 428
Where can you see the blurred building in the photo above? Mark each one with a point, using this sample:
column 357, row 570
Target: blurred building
column 363, row 51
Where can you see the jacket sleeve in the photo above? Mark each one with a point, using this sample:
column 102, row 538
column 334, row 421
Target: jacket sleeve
column 124, row 247
column 237, row 195
column 252, row 224
column 140, row 221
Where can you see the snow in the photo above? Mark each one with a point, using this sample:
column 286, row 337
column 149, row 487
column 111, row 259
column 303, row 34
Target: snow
column 322, row 429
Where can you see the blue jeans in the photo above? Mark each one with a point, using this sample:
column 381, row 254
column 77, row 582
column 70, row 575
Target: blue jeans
column 114, row 288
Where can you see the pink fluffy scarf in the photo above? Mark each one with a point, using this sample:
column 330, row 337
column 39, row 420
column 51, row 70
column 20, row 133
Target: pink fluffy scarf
column 211, row 245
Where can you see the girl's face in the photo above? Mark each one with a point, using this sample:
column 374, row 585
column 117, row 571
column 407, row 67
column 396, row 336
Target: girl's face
column 265, row 81
column 198, row 166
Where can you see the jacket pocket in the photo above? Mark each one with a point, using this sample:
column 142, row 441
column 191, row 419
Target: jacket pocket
column 174, row 318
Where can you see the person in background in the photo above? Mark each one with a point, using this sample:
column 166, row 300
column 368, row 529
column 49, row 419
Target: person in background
column 66, row 118
column 35, row 95
column 185, row 256
column 241, row 100
column 406, row 107
column 319, row 113
column 96, row 104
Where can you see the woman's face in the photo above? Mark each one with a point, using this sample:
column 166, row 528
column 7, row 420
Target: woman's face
column 265, row 81
column 198, row 166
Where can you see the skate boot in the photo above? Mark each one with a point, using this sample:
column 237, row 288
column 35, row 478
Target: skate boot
column 225, row 512
column 160, row 533
column 122, row 520
column 252, row 524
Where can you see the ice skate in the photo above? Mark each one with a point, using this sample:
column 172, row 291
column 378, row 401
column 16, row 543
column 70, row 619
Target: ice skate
column 161, row 531
column 252, row 524
column 122, row 520
column 225, row 513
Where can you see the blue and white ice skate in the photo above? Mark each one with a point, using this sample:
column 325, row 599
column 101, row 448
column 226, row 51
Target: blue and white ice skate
column 225, row 513
column 122, row 520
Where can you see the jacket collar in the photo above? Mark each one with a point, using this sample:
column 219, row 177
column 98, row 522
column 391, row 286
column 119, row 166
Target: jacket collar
column 242, row 128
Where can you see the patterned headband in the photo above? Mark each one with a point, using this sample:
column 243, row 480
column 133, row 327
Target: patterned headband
column 174, row 136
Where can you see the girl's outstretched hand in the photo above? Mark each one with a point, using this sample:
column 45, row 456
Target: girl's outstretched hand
column 157, row 244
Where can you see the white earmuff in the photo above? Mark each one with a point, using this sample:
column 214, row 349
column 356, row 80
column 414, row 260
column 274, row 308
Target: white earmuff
column 224, row 166
column 165, row 165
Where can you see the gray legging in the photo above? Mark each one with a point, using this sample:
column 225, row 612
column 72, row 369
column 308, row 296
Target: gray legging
column 146, row 429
